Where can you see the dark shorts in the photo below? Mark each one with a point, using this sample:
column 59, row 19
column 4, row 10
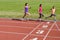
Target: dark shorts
column 41, row 15
column 52, row 15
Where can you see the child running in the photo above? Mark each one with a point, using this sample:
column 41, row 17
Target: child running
column 52, row 13
column 40, row 11
column 26, row 9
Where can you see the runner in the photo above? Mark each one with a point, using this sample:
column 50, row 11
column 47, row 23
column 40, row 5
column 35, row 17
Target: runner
column 52, row 13
column 26, row 10
column 40, row 11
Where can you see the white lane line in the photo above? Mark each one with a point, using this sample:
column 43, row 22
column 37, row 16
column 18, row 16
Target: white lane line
column 44, row 35
column 49, row 31
column 15, row 26
column 12, row 32
column 54, row 37
column 25, row 34
column 19, row 22
column 53, row 29
column 57, row 27
column 24, row 27
column 32, row 31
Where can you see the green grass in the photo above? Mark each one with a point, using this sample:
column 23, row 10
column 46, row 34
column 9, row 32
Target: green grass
column 15, row 8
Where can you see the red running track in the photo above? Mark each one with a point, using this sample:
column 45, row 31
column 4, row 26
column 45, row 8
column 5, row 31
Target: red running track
column 27, row 30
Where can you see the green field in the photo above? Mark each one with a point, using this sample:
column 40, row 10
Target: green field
column 15, row 8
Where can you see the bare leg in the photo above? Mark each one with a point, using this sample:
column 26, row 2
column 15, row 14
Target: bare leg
column 54, row 18
column 49, row 16
column 24, row 15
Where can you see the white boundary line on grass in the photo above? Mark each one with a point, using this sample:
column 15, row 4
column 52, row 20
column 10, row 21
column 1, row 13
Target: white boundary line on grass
column 32, row 31
column 49, row 31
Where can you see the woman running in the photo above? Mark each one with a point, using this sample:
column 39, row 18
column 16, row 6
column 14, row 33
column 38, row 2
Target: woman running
column 40, row 11
column 52, row 13
column 26, row 10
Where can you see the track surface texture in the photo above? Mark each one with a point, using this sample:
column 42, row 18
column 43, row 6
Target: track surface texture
column 29, row 30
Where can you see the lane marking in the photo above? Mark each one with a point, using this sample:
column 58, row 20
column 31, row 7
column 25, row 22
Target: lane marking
column 44, row 35
column 12, row 32
column 20, row 22
column 56, row 37
column 53, row 29
column 49, row 31
column 15, row 26
column 25, row 34
column 34, row 38
column 48, row 22
column 57, row 27
column 44, row 26
column 24, row 27
column 32, row 31
column 40, row 32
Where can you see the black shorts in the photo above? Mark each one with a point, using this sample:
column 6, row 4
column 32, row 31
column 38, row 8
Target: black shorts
column 52, row 15
column 41, row 15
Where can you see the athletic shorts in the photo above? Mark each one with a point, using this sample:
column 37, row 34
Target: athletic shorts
column 52, row 15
